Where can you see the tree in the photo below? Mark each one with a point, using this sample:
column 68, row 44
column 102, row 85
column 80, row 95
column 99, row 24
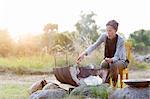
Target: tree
column 49, row 31
column 50, row 28
column 28, row 45
column 87, row 29
column 5, row 43
column 63, row 43
column 141, row 40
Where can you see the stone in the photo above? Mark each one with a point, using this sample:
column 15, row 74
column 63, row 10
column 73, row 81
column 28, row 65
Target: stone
column 49, row 94
column 131, row 93
column 37, row 86
column 100, row 91
column 51, row 86
column 142, row 58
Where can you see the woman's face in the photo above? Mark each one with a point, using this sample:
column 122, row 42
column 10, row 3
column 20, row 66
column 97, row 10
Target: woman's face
column 111, row 31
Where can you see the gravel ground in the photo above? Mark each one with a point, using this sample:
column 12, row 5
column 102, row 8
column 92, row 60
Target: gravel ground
column 29, row 79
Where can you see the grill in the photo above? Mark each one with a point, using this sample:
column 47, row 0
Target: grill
column 63, row 75
column 138, row 83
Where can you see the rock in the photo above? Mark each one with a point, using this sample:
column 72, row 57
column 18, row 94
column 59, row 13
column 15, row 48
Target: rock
column 147, row 59
column 131, row 93
column 90, row 66
column 142, row 58
column 100, row 91
column 49, row 94
column 51, row 86
column 92, row 80
column 66, row 86
column 139, row 58
column 37, row 86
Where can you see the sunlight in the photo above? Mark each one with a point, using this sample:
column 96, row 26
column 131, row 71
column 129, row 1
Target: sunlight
column 48, row 45
column 30, row 16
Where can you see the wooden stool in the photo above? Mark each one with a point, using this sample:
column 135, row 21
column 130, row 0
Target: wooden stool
column 124, row 71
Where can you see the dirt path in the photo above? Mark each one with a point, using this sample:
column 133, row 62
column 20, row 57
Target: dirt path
column 24, row 79
column 29, row 79
column 141, row 74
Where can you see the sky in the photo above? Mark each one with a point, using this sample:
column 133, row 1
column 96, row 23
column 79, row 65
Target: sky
column 21, row 17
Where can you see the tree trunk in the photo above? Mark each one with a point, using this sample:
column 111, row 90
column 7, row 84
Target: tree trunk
column 66, row 58
column 55, row 61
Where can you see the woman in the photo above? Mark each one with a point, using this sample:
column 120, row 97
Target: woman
column 114, row 54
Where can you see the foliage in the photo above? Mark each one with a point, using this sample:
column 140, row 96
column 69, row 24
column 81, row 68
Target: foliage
column 62, row 42
column 100, row 91
column 5, row 43
column 141, row 40
column 87, row 28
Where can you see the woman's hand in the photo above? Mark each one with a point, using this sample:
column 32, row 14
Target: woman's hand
column 109, row 60
column 81, row 57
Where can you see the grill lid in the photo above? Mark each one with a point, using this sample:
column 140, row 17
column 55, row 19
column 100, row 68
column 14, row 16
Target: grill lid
column 139, row 83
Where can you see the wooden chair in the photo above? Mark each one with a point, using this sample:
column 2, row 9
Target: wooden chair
column 128, row 46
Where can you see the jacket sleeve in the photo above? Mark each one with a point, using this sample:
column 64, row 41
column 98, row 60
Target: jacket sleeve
column 96, row 44
column 120, row 51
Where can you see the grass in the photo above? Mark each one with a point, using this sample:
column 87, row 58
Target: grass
column 13, row 91
column 28, row 62
column 139, row 65
column 43, row 63
column 100, row 92
column 142, row 65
